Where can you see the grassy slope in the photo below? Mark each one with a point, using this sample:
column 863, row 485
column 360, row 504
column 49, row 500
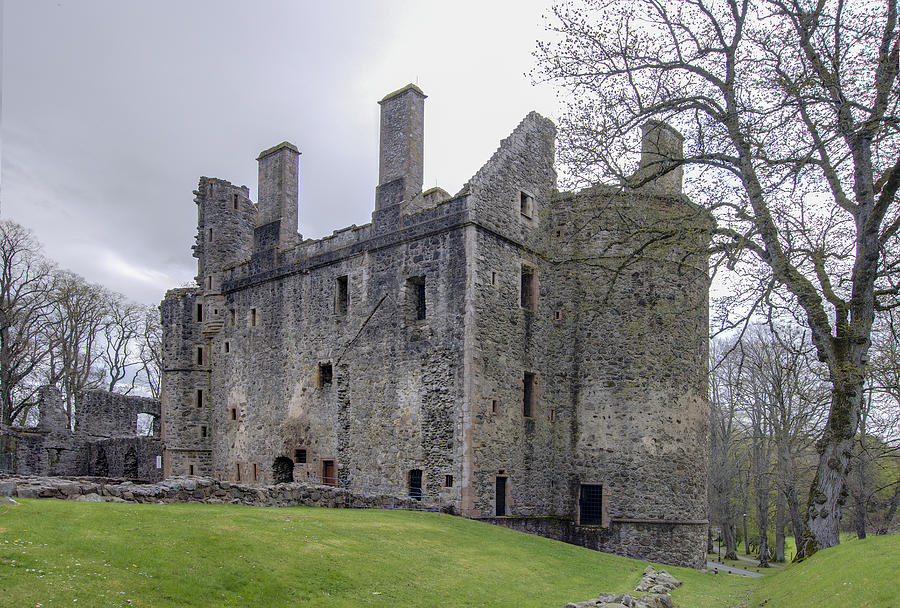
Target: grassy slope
column 858, row 573
column 104, row 554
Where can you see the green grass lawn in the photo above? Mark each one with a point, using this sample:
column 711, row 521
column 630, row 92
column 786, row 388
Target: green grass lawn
column 108, row 554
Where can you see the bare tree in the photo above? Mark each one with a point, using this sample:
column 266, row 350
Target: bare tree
column 150, row 351
column 26, row 279
column 725, row 433
column 122, row 329
column 78, row 312
column 789, row 112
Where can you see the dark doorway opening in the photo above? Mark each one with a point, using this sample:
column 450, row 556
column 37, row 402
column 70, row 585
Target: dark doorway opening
column 415, row 484
column 101, row 464
column 130, row 469
column 590, row 505
column 500, row 498
column 283, row 470
column 328, row 476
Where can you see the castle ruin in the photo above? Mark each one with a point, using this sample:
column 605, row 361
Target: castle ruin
column 510, row 349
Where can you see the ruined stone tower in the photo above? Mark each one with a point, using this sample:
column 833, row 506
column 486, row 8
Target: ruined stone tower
column 510, row 349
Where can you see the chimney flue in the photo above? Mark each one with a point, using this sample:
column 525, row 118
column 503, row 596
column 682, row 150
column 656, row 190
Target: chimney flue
column 401, row 152
column 279, row 169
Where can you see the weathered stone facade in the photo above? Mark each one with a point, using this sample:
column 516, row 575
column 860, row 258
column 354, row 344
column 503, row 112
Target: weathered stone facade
column 104, row 442
column 518, row 352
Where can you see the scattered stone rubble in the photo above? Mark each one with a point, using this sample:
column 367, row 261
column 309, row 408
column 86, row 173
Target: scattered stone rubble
column 202, row 490
column 655, row 587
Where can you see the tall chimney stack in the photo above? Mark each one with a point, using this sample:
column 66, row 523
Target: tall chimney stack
column 276, row 220
column 401, row 151
column 661, row 149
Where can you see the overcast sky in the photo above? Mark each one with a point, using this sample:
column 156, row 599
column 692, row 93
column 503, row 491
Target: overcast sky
column 112, row 110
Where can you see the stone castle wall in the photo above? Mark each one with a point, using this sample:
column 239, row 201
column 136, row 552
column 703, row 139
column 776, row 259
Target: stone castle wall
column 310, row 354
column 104, row 443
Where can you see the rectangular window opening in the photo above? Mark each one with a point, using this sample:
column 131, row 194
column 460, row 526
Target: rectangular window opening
column 590, row 505
column 234, row 201
column 493, row 278
column 325, row 375
column 203, row 431
column 416, row 289
column 300, row 456
column 233, row 413
column 255, row 472
column 237, row 471
column 227, row 347
column 190, row 469
column 210, row 234
column 200, row 357
column 199, row 397
column 526, row 204
column 342, row 296
column 557, row 315
column 448, row 481
column 252, row 317
column 529, row 299
column 552, row 415
column 493, row 406
column 528, row 395
column 232, row 316
column 199, row 313
column 209, row 282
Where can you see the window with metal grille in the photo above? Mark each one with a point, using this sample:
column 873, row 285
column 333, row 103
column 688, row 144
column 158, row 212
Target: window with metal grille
column 590, row 505
column 415, row 484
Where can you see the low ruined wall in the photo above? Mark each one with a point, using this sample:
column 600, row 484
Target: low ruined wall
column 678, row 544
column 126, row 457
column 202, row 490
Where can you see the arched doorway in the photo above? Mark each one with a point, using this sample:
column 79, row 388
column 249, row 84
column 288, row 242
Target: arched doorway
column 283, row 470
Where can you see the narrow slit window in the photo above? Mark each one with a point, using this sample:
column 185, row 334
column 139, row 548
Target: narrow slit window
column 255, row 472
column 529, row 299
column 199, row 313
column 227, row 347
column 528, row 395
column 234, row 413
column 209, row 282
column 200, row 357
column 199, row 397
column 234, row 201
column 493, row 406
column 342, row 296
column 203, row 431
column 252, row 317
column 416, row 289
column 326, row 374
column 190, row 469
column 210, row 234
column 232, row 315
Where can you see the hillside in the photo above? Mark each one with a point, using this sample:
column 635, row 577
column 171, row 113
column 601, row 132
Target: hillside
column 107, row 554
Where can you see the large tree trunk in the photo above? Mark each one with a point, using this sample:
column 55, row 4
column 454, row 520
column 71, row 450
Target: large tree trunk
column 892, row 510
column 780, row 517
column 729, row 537
column 828, row 491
